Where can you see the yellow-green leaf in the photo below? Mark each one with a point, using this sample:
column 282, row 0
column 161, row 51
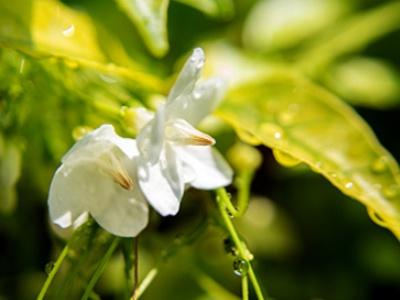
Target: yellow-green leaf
column 290, row 114
column 51, row 28
column 150, row 18
column 222, row 9
column 365, row 81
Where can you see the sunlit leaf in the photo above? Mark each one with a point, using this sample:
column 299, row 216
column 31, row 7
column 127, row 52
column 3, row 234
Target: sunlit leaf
column 366, row 82
column 280, row 24
column 50, row 28
column 150, row 18
column 294, row 116
column 222, row 9
column 351, row 35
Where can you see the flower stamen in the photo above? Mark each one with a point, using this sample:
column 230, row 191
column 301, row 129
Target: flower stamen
column 182, row 133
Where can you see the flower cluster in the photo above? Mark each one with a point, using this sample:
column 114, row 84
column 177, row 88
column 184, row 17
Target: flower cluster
column 113, row 178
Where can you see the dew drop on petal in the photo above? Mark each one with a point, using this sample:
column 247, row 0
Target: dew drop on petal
column 240, row 267
column 69, row 31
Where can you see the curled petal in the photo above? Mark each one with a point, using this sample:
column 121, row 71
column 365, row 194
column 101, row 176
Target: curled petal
column 209, row 167
column 163, row 183
column 188, row 76
column 195, row 106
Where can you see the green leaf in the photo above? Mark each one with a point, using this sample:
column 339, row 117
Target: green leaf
column 285, row 112
column 221, row 9
column 50, row 28
column 365, row 81
column 10, row 171
column 350, row 36
column 150, row 18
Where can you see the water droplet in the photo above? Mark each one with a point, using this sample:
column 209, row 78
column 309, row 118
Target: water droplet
column 69, row 31
column 285, row 159
column 229, row 247
column 49, row 267
column 348, row 185
column 286, row 118
column 71, row 63
column 22, row 66
column 248, row 137
column 333, row 174
column 80, row 131
column 229, row 213
column 379, row 165
column 108, row 79
column 272, row 130
column 391, row 191
column 240, row 267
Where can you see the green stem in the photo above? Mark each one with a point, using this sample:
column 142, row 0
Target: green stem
column 100, row 268
column 245, row 287
column 136, row 270
column 146, row 282
column 222, row 201
column 53, row 272
column 243, row 185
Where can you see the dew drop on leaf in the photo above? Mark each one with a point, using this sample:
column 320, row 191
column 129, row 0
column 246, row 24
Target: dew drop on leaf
column 229, row 247
column 379, row 165
column 69, row 31
column 390, row 191
column 240, row 267
column 348, row 185
column 285, row 159
column 272, row 130
column 49, row 267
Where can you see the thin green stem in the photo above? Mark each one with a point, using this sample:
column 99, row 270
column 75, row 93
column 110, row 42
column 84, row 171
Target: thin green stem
column 53, row 272
column 243, row 185
column 148, row 279
column 187, row 239
column 136, row 269
column 222, row 200
column 100, row 268
column 245, row 287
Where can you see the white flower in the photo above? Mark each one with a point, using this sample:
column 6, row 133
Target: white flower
column 98, row 176
column 173, row 153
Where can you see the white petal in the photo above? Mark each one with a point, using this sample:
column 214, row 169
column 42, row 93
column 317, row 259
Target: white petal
column 83, row 187
column 210, row 168
column 188, row 76
column 66, row 203
column 151, row 138
column 142, row 117
column 163, row 183
column 199, row 103
column 120, row 211
column 97, row 142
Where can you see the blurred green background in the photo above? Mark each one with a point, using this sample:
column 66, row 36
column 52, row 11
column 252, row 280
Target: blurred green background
column 309, row 240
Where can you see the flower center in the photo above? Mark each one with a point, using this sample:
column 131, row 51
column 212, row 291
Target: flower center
column 181, row 132
column 113, row 167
